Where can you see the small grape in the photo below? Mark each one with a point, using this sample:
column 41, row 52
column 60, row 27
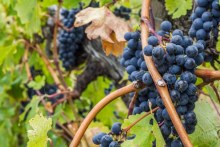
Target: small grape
column 116, row 128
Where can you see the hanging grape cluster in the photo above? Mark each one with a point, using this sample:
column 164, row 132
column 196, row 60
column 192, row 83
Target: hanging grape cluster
column 205, row 21
column 69, row 40
column 123, row 12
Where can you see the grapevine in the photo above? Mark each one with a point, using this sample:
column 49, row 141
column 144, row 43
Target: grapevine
column 110, row 73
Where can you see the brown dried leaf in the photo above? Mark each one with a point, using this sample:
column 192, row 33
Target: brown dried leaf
column 106, row 25
column 115, row 48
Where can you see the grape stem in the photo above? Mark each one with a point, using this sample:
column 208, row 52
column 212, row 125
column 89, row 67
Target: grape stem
column 138, row 120
column 132, row 103
column 55, row 50
column 25, row 61
column 163, row 90
column 98, row 107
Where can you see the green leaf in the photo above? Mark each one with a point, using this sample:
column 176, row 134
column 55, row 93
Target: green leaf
column 47, row 3
column 38, row 83
column 38, row 135
column 208, row 126
column 135, row 3
column 144, row 131
column 212, row 94
column 116, row 106
column 71, row 3
column 218, row 43
column 178, row 7
column 29, row 14
column 5, row 51
column 104, row 2
column 85, row 2
column 33, row 107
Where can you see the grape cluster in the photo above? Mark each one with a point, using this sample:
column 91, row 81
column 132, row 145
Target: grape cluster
column 123, row 12
column 48, row 89
column 69, row 41
column 112, row 139
column 175, row 56
column 205, row 21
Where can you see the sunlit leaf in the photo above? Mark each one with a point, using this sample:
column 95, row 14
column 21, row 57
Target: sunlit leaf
column 38, row 135
column 178, row 8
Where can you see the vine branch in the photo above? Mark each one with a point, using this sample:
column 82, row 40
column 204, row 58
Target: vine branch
column 49, row 67
column 208, row 76
column 160, row 84
column 106, row 100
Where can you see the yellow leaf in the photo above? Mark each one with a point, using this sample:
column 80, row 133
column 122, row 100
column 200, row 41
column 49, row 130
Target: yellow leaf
column 115, row 48
column 106, row 25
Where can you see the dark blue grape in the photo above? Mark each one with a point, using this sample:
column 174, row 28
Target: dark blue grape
column 175, row 69
column 165, row 114
column 177, row 32
column 193, row 98
column 199, row 11
column 132, row 44
column 144, row 66
column 177, row 40
column 116, row 128
column 207, row 26
column 170, row 48
column 190, row 117
column 152, row 40
column 201, row 34
column 192, row 32
column 106, row 140
column 197, row 23
column 184, row 99
column 199, row 59
column 130, row 69
column 97, row 138
column 148, row 50
column 176, row 143
column 191, row 89
column 181, row 110
column 166, row 26
column 127, row 36
column 207, row 16
column 144, row 106
column 188, row 76
column 191, row 51
column 169, row 78
column 159, row 102
column 171, row 59
column 158, row 114
column 135, row 35
column 147, row 79
column 181, row 59
column 137, row 110
column 114, row 144
column 158, row 52
column 190, row 63
column 165, row 130
column 175, row 95
column 181, row 85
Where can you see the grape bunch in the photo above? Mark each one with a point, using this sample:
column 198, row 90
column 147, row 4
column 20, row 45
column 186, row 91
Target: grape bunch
column 175, row 56
column 69, row 41
column 113, row 139
column 123, row 12
column 205, row 22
